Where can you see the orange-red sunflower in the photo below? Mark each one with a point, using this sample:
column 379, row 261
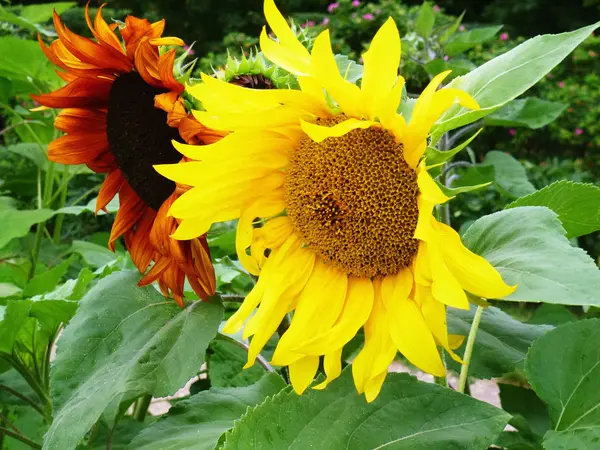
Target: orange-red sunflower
column 122, row 107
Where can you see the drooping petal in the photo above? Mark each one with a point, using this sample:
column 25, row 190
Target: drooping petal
column 77, row 148
column 302, row 372
column 332, row 363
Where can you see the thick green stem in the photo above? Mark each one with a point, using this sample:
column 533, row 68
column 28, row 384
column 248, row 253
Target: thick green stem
column 33, row 383
column 24, row 398
column 464, row 371
column 20, row 437
column 141, row 407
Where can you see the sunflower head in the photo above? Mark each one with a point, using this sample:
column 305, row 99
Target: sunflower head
column 335, row 207
column 121, row 108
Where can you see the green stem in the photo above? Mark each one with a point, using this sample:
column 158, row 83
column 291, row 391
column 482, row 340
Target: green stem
column 259, row 358
column 20, row 437
column 62, row 201
column 24, row 398
column 464, row 370
column 48, row 183
column 141, row 407
column 84, row 195
column 442, row 381
column 33, row 383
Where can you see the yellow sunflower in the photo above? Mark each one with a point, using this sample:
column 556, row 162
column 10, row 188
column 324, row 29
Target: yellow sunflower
column 335, row 209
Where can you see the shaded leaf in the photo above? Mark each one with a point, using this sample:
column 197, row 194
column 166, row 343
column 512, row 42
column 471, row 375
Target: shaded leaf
column 425, row 20
column 510, row 176
column 47, row 280
column 502, row 342
column 226, row 366
column 462, row 42
column 528, row 112
column 17, row 223
column 198, row 422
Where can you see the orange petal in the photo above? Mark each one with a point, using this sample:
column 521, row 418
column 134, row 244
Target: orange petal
column 80, row 93
column 77, row 148
column 81, row 120
column 110, row 187
column 165, row 70
column 131, row 208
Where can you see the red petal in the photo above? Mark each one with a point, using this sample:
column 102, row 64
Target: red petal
column 77, row 148
column 112, row 183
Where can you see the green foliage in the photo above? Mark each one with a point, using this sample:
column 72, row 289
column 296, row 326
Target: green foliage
column 529, row 248
column 198, row 422
column 336, row 418
column 124, row 341
column 563, row 368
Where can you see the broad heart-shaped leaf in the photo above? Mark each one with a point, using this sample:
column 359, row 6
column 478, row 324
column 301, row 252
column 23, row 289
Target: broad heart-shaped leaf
column 510, row 176
column 502, row 342
column 198, row 422
column 13, row 317
column 22, row 59
column 525, row 403
column 507, row 76
column 531, row 112
column 407, row 414
column 563, row 367
column 529, row 248
column 17, row 223
column 123, row 339
column 577, row 205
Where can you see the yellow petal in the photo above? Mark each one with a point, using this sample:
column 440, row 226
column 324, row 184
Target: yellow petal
column 421, row 270
column 412, row 337
column 264, row 207
column 318, row 308
column 237, row 145
column 428, row 188
column 388, row 115
column 279, row 116
column 302, row 372
column 197, row 226
column 395, row 288
column 357, row 308
column 272, row 235
column 445, row 287
column 278, row 54
column 325, row 69
column 252, row 300
column 287, row 40
column 379, row 350
column 434, row 313
column 381, row 63
column 474, row 273
column 319, row 133
column 373, row 386
column 455, row 341
column 332, row 363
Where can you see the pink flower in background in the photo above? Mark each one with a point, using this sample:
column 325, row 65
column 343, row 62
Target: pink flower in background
column 446, row 58
column 512, row 131
column 461, row 28
column 436, row 8
column 368, row 16
column 325, row 21
column 561, row 84
column 504, row 37
column 188, row 49
column 355, row 3
column 578, row 132
column 332, row 7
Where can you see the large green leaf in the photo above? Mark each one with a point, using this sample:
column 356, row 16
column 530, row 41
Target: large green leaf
column 407, row 414
column 47, row 280
column 502, row 342
column 523, row 402
column 31, row 151
column 43, row 12
column 510, row 176
column 21, row 59
column 197, row 423
column 462, row 42
column 529, row 248
column 530, row 112
column 93, row 254
column 17, row 223
column 507, row 76
column 577, row 205
column 563, row 368
column 123, row 339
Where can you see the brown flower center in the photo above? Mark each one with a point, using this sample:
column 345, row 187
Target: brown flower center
column 251, row 81
column 353, row 200
column 139, row 137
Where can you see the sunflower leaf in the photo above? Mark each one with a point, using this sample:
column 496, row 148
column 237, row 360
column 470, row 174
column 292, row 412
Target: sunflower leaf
column 198, row 422
column 563, row 367
column 577, row 205
column 123, row 340
column 507, row 76
column 432, row 418
column 529, row 248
